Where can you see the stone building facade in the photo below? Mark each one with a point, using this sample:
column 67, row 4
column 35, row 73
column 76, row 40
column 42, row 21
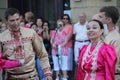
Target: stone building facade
column 90, row 7
column 3, row 6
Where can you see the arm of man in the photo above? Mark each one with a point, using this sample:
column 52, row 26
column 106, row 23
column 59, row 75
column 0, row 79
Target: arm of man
column 42, row 54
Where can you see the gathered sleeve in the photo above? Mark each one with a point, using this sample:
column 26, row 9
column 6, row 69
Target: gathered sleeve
column 8, row 63
column 80, row 73
column 110, row 62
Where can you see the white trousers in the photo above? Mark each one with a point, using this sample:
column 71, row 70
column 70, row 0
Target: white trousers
column 77, row 47
column 66, row 61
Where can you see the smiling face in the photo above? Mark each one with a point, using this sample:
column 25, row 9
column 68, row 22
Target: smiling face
column 39, row 22
column 13, row 22
column 94, row 31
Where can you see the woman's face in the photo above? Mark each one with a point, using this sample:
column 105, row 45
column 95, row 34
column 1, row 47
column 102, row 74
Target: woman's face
column 45, row 26
column 93, row 31
column 65, row 19
column 39, row 22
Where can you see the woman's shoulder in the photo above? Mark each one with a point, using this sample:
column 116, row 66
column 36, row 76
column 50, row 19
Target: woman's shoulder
column 108, row 48
column 52, row 31
column 109, row 52
column 84, row 48
column 68, row 27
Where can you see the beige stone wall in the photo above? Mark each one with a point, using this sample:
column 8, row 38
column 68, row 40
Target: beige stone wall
column 3, row 6
column 90, row 7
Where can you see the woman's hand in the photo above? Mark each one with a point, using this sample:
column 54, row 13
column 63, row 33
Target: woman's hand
column 49, row 78
column 45, row 28
column 54, row 46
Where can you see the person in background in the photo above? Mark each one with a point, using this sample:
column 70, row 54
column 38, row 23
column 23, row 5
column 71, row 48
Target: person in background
column 109, row 15
column 33, row 26
column 60, row 54
column 23, row 43
column 39, row 23
column 29, row 19
column 38, row 64
column 46, row 35
column 56, row 39
column 46, row 39
column 97, row 60
column 3, row 25
column 22, row 21
column 80, row 32
column 68, row 42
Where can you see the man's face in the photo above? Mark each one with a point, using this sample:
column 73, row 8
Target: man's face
column 13, row 22
column 102, row 17
column 82, row 18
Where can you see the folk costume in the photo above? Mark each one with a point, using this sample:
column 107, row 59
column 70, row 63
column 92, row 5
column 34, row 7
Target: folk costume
column 113, row 38
column 23, row 44
column 97, row 62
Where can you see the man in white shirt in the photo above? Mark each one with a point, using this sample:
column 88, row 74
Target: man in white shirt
column 80, row 32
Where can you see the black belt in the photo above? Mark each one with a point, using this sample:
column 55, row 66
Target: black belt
column 117, row 73
column 82, row 40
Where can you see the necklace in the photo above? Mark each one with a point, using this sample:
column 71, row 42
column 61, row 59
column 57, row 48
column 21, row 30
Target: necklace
column 88, row 56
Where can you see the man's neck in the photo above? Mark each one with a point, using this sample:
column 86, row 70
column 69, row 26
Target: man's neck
column 82, row 23
column 111, row 27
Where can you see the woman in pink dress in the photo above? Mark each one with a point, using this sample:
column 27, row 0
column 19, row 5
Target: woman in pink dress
column 60, row 53
column 97, row 60
column 68, row 28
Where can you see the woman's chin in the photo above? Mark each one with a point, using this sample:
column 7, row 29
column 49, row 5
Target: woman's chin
column 91, row 38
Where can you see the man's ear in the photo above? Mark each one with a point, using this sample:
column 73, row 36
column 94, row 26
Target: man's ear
column 109, row 20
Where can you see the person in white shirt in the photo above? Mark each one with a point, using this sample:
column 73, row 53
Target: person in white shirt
column 80, row 32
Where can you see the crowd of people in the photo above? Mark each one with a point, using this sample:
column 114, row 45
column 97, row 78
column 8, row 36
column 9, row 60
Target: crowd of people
column 28, row 47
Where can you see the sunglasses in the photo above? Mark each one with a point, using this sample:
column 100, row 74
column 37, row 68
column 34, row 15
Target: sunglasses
column 65, row 18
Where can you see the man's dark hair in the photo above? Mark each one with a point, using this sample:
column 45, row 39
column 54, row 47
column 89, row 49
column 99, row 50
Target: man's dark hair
column 112, row 12
column 10, row 12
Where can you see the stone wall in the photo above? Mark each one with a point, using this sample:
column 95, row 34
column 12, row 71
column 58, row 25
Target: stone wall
column 90, row 7
column 3, row 6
